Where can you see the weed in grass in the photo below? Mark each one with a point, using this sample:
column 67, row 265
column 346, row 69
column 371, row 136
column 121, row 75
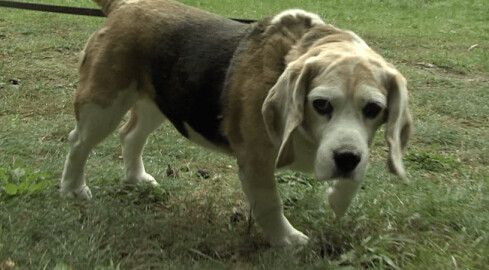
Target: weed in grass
column 21, row 181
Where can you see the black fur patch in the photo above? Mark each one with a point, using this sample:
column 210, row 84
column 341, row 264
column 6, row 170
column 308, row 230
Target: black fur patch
column 188, row 73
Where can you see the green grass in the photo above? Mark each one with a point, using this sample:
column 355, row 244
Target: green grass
column 440, row 220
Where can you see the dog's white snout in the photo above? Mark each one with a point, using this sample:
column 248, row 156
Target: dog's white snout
column 344, row 154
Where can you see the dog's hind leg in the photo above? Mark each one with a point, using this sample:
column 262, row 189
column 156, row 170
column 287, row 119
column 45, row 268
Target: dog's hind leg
column 145, row 118
column 94, row 123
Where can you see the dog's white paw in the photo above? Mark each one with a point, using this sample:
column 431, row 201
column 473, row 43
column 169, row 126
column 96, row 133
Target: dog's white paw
column 143, row 178
column 293, row 238
column 82, row 192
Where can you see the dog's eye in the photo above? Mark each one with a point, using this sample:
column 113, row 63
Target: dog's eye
column 371, row 110
column 322, row 106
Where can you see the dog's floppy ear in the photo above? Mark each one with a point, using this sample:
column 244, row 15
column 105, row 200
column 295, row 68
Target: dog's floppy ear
column 283, row 110
column 399, row 121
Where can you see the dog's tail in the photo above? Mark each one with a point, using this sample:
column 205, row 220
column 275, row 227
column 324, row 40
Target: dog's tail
column 108, row 6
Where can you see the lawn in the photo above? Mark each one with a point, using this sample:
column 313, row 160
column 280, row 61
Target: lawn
column 198, row 218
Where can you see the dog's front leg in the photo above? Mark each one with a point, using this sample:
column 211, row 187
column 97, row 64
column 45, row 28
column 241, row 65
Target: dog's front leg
column 257, row 179
column 340, row 195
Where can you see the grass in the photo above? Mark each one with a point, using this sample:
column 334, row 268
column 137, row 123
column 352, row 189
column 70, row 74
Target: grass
column 438, row 221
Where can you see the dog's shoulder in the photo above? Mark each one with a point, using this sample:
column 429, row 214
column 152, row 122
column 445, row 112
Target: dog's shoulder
column 259, row 60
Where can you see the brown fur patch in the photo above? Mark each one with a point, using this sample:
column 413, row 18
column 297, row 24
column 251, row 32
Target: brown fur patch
column 117, row 54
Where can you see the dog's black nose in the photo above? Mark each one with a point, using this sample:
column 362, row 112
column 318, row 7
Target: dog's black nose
column 346, row 161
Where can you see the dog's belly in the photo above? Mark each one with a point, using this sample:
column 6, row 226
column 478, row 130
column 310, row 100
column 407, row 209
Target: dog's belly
column 197, row 138
column 188, row 70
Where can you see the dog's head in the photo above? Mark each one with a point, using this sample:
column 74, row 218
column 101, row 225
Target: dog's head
column 336, row 96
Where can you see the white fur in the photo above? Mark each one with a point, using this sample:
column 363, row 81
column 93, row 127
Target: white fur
column 315, row 19
column 358, row 40
column 95, row 124
column 316, row 141
column 148, row 118
column 347, row 129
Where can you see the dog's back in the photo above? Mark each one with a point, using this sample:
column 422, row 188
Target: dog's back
column 169, row 50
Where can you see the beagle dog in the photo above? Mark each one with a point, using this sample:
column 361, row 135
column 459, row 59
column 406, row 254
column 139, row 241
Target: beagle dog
column 289, row 91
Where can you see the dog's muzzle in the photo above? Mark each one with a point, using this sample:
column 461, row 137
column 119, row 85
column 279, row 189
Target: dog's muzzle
column 341, row 162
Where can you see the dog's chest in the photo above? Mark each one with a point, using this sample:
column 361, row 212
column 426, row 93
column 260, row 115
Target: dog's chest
column 188, row 71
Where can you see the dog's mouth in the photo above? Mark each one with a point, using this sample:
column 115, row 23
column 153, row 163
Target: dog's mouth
column 336, row 175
